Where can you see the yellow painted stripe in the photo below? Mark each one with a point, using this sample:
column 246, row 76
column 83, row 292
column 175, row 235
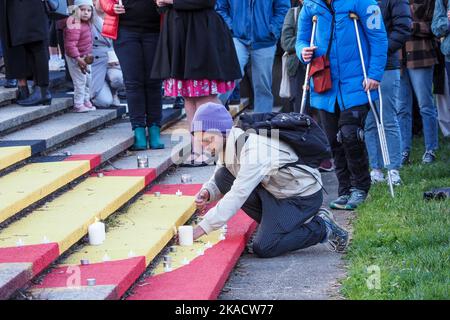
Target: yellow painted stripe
column 29, row 184
column 12, row 155
column 144, row 230
column 65, row 220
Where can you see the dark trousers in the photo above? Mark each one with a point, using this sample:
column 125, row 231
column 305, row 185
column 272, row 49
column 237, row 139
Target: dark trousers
column 296, row 83
column 350, row 155
column 136, row 52
column 283, row 223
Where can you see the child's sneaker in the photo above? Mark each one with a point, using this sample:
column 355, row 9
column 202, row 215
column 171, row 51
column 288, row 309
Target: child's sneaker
column 81, row 108
column 340, row 202
column 395, row 177
column 89, row 106
column 337, row 237
column 376, row 176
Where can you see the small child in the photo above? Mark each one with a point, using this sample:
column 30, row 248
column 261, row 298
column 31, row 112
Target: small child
column 78, row 46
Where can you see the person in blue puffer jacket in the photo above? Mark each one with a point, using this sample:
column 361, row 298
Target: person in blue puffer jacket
column 256, row 28
column 344, row 108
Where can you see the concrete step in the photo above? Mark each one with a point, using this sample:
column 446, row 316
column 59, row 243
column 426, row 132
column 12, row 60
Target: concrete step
column 15, row 116
column 62, row 128
column 7, row 95
column 32, row 243
column 133, row 240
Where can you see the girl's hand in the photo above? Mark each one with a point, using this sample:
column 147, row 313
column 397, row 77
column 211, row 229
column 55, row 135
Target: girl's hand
column 119, row 8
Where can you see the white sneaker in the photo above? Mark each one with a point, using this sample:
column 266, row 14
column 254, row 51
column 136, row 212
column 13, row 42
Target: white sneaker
column 376, row 176
column 56, row 64
column 116, row 100
column 395, row 177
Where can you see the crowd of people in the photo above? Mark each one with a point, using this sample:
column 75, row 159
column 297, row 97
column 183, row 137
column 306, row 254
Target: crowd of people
column 201, row 49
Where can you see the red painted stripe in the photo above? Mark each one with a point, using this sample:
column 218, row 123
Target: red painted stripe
column 186, row 189
column 122, row 274
column 95, row 159
column 203, row 278
column 41, row 255
column 149, row 174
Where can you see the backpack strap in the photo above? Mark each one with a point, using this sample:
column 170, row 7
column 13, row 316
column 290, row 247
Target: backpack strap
column 297, row 166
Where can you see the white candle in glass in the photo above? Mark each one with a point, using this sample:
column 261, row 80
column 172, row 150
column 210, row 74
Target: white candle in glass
column 186, row 235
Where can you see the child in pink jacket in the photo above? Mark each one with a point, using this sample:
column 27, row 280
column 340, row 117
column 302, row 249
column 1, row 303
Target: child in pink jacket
column 78, row 45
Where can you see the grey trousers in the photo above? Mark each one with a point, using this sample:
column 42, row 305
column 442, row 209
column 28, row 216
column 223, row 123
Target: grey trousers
column 283, row 225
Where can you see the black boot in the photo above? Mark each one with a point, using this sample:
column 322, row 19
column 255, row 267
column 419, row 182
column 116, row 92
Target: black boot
column 23, row 93
column 40, row 96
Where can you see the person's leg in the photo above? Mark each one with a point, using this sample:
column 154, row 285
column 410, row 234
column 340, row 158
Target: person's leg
column 404, row 111
column 262, row 65
column 152, row 86
column 351, row 124
column 104, row 97
column 243, row 55
column 39, row 53
column 130, row 52
column 288, row 224
column 79, row 82
column 114, row 76
column 330, row 124
column 422, row 83
column 390, row 89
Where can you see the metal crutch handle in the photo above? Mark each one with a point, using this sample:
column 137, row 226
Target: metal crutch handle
column 308, row 67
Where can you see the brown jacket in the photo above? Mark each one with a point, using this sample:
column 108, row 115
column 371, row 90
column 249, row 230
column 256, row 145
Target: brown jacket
column 420, row 50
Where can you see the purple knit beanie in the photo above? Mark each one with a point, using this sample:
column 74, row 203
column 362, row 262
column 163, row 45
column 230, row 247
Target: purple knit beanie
column 212, row 116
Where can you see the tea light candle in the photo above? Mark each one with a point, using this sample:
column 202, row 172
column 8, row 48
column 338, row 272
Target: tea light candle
column 131, row 254
column 173, row 249
column 45, row 240
column 179, row 193
column 200, row 252
column 185, row 261
column 186, row 235
column 208, row 245
column 100, row 175
column 84, row 262
column 167, row 259
column 222, row 237
column 91, row 282
column 97, row 233
column 167, row 267
column 106, row 258
column 158, row 194
column 20, row 243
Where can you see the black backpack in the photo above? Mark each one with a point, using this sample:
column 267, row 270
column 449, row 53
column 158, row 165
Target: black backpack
column 299, row 131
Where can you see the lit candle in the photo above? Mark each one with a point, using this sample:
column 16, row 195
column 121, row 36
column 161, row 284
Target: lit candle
column 200, row 252
column 106, row 258
column 186, row 235
column 208, row 245
column 185, row 261
column 179, row 193
column 97, row 233
column 222, row 237
column 20, row 243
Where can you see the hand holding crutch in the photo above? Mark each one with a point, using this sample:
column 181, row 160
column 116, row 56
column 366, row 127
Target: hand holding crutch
column 308, row 67
column 378, row 116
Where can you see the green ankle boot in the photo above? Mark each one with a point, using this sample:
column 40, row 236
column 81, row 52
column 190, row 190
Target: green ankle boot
column 140, row 139
column 154, row 135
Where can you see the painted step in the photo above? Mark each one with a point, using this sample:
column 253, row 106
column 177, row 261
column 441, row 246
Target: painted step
column 205, row 276
column 31, row 244
column 7, row 95
column 64, row 127
column 35, row 181
column 13, row 116
column 108, row 142
column 133, row 240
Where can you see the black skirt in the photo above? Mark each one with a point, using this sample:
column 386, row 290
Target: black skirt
column 195, row 45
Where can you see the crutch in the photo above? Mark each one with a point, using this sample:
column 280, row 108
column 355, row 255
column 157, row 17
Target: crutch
column 378, row 116
column 308, row 67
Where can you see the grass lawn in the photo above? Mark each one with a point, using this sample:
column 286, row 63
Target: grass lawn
column 405, row 240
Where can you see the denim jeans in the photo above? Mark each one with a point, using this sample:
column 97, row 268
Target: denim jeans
column 420, row 82
column 262, row 64
column 390, row 85
column 136, row 52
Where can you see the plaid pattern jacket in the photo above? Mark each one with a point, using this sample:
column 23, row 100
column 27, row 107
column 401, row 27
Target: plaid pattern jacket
column 420, row 50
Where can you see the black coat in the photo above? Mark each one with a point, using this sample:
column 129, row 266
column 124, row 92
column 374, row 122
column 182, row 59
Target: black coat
column 397, row 19
column 195, row 44
column 23, row 21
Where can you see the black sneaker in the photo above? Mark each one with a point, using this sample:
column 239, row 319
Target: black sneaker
column 340, row 203
column 429, row 157
column 405, row 158
column 337, row 237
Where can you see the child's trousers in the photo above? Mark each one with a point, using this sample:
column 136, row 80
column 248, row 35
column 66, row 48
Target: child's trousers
column 80, row 80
